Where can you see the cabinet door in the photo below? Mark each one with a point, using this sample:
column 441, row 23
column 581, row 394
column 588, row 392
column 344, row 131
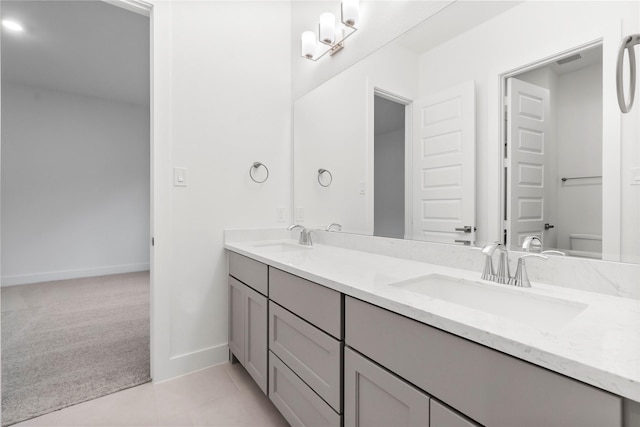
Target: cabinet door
column 255, row 350
column 375, row 397
column 236, row 318
column 441, row 416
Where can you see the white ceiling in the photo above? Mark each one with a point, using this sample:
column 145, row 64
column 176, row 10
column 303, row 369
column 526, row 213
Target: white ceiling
column 85, row 47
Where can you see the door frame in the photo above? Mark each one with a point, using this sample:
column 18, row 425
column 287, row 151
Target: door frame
column 373, row 91
column 607, row 36
column 145, row 8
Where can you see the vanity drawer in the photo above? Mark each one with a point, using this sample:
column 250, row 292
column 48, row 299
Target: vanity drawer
column 250, row 272
column 441, row 416
column 299, row 405
column 312, row 354
column 493, row 388
column 315, row 303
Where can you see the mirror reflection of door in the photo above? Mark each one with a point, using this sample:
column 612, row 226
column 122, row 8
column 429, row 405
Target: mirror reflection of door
column 554, row 152
column 389, row 168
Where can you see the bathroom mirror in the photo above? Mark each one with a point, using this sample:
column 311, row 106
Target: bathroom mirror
column 436, row 135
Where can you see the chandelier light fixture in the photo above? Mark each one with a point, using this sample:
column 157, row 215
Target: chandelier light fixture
column 331, row 34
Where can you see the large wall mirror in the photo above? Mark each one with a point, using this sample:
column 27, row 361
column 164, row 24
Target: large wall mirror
column 490, row 121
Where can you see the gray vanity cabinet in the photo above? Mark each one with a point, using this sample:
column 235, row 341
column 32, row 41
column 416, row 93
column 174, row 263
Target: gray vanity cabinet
column 488, row 386
column 441, row 416
column 305, row 350
column 248, row 316
column 375, row 397
column 314, row 355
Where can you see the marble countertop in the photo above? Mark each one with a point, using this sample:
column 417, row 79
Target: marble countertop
column 600, row 346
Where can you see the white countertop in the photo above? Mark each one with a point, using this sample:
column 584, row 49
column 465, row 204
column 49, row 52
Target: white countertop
column 600, row 346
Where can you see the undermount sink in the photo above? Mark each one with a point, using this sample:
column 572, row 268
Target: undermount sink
column 510, row 303
column 282, row 247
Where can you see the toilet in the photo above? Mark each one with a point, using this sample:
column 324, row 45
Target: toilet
column 585, row 245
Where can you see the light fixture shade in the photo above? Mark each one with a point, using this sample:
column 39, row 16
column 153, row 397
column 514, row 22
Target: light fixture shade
column 308, row 44
column 327, row 28
column 12, row 25
column 339, row 33
column 350, row 12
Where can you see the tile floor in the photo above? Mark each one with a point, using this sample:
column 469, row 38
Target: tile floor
column 223, row 395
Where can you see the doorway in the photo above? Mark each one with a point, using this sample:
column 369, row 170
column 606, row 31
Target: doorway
column 75, row 204
column 554, row 147
column 389, row 168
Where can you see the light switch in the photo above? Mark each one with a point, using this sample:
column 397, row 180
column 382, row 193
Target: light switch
column 180, row 177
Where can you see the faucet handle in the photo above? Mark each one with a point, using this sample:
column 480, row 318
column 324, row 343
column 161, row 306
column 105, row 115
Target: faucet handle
column 488, row 273
column 489, row 249
column 521, row 278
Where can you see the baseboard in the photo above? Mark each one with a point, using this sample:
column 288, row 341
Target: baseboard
column 24, row 279
column 188, row 363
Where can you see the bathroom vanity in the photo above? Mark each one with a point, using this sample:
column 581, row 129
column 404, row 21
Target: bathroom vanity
column 352, row 338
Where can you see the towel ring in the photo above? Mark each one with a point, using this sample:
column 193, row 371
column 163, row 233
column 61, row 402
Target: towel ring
column 322, row 172
column 627, row 44
column 255, row 166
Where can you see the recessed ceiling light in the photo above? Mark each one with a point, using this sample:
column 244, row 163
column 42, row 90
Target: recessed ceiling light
column 12, row 25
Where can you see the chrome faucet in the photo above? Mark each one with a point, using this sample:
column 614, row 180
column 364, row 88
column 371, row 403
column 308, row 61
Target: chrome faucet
column 521, row 278
column 334, row 226
column 530, row 241
column 503, row 275
column 305, row 235
column 534, row 241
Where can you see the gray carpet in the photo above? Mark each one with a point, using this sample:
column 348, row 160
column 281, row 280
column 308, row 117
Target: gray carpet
column 69, row 341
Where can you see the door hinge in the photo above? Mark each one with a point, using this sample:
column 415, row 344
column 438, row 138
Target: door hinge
column 153, row 241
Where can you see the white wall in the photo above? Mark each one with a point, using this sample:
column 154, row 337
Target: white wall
column 333, row 130
column 222, row 100
column 381, row 22
column 514, row 39
column 75, row 186
column 579, row 125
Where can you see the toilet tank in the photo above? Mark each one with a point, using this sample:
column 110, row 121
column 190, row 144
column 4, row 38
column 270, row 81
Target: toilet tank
column 585, row 245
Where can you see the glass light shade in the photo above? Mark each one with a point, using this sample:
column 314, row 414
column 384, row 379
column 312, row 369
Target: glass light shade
column 12, row 25
column 327, row 28
column 339, row 33
column 308, row 44
column 350, row 12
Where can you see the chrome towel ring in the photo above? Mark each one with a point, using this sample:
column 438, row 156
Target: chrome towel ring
column 627, row 44
column 321, row 172
column 254, row 167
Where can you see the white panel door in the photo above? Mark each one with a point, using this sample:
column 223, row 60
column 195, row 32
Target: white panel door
column 444, row 166
column 527, row 133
